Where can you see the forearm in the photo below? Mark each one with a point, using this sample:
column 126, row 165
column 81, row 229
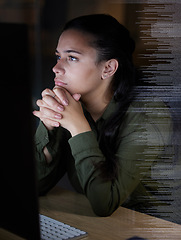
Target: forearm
column 49, row 172
column 104, row 196
column 42, row 139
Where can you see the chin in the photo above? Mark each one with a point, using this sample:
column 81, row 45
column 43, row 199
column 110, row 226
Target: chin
column 72, row 91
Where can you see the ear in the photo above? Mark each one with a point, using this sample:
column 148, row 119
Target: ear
column 110, row 68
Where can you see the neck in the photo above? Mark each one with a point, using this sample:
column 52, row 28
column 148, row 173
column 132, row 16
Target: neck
column 96, row 104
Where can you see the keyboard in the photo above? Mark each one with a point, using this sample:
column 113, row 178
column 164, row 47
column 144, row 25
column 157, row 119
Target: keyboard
column 50, row 229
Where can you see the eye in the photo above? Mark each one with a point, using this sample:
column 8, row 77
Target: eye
column 72, row 59
column 58, row 57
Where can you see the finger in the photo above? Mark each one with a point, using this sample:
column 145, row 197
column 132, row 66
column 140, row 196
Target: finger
column 46, row 121
column 47, row 114
column 76, row 96
column 61, row 94
column 41, row 103
column 50, row 114
column 37, row 114
column 49, row 92
column 51, row 103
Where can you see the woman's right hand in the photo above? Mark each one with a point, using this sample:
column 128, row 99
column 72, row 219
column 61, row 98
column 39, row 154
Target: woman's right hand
column 51, row 105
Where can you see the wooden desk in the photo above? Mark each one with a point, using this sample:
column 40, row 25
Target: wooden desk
column 74, row 209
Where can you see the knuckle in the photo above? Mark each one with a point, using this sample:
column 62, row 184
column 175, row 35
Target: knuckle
column 45, row 92
column 39, row 102
column 57, row 87
column 45, row 97
column 59, row 91
column 48, row 100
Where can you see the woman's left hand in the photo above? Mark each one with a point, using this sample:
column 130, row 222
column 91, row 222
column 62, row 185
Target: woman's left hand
column 73, row 118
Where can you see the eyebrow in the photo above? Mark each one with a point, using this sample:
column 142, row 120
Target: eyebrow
column 69, row 51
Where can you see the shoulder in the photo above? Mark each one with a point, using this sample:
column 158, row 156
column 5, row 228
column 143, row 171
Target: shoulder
column 152, row 109
column 147, row 119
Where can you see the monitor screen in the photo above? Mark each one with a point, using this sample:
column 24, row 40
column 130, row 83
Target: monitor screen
column 19, row 198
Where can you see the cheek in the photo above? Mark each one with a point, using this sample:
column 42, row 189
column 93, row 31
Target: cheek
column 90, row 73
column 88, row 80
column 83, row 79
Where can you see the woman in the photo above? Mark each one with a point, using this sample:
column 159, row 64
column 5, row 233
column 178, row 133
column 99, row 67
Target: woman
column 92, row 127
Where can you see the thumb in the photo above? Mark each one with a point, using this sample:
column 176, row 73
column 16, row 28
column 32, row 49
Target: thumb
column 76, row 96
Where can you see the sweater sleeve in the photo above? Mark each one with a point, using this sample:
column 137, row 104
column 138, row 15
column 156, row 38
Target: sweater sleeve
column 56, row 142
column 142, row 138
column 103, row 195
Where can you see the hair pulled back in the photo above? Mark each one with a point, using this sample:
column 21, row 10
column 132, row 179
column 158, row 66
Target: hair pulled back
column 112, row 41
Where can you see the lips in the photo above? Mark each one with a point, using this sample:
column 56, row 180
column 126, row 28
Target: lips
column 59, row 82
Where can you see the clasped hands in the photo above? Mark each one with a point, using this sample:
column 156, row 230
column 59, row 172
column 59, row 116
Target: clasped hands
column 59, row 108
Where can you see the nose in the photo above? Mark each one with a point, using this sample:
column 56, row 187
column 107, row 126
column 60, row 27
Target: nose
column 58, row 69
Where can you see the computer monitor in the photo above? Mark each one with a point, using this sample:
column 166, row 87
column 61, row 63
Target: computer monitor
column 19, row 198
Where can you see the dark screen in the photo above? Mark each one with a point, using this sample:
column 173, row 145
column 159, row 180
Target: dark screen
column 19, row 204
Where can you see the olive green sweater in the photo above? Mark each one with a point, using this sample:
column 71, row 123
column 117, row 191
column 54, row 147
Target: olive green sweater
column 144, row 136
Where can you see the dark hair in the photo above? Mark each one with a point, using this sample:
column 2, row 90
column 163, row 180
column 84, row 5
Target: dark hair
column 112, row 41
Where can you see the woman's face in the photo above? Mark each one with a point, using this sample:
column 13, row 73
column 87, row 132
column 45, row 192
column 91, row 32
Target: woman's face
column 76, row 69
